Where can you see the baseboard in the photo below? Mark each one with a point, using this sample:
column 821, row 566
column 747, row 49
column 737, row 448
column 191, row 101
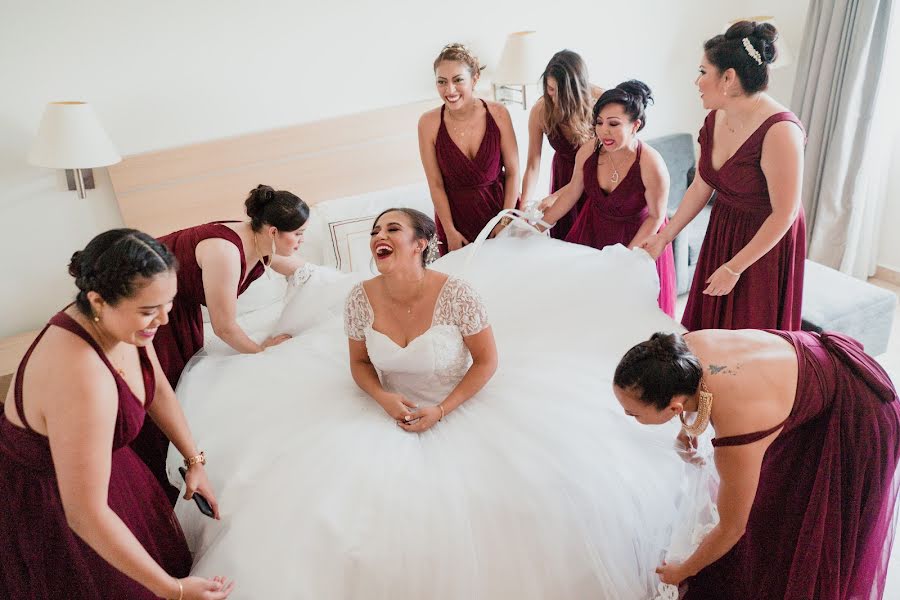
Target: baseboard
column 886, row 274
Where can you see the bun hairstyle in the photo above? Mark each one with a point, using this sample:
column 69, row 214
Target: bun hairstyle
column 457, row 52
column 749, row 60
column 572, row 106
column 278, row 208
column 113, row 264
column 634, row 96
column 659, row 369
column 423, row 229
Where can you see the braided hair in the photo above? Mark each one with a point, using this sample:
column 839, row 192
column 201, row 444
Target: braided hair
column 114, row 263
column 659, row 369
column 457, row 52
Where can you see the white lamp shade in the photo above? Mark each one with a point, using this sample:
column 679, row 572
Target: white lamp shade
column 522, row 60
column 71, row 137
column 785, row 57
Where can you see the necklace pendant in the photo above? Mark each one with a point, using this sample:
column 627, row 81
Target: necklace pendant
column 615, row 177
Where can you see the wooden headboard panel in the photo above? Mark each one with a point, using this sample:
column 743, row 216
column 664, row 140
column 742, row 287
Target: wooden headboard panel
column 160, row 192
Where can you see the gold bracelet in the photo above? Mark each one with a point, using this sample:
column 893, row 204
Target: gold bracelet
column 441, row 406
column 180, row 589
column 733, row 273
column 193, row 460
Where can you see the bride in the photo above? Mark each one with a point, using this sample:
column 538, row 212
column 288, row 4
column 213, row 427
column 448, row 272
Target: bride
column 435, row 477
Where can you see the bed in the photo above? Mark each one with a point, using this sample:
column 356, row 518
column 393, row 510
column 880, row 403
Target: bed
column 346, row 168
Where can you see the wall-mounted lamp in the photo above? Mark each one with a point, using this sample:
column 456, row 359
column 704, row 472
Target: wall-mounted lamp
column 71, row 137
column 520, row 65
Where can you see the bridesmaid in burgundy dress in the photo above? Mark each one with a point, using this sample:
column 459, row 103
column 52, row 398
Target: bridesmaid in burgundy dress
column 750, row 270
column 807, row 448
column 563, row 114
column 625, row 183
column 83, row 518
column 468, row 150
column 214, row 270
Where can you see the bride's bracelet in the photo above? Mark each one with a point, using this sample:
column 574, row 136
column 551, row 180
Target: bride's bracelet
column 441, row 406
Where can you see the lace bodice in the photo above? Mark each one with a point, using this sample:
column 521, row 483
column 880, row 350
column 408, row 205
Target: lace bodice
column 431, row 365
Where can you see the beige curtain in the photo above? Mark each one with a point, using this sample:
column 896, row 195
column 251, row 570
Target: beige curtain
column 835, row 95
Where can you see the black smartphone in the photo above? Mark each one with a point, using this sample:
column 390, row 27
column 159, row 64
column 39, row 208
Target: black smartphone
column 202, row 503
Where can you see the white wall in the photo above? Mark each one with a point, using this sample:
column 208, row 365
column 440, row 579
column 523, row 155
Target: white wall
column 163, row 74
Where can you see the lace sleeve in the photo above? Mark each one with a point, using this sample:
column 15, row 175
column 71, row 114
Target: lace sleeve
column 297, row 280
column 357, row 314
column 461, row 305
column 301, row 275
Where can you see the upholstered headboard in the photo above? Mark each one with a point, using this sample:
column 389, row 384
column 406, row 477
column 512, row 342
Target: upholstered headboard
column 160, row 192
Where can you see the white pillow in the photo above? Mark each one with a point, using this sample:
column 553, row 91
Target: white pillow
column 266, row 291
column 345, row 224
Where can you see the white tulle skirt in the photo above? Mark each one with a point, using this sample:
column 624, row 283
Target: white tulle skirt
column 539, row 487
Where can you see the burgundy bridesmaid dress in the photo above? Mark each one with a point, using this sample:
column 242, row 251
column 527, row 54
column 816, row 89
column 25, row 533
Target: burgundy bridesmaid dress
column 563, row 166
column 40, row 556
column 821, row 525
column 474, row 186
column 177, row 341
column 615, row 217
column 769, row 293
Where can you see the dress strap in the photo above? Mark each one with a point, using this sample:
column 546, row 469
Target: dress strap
column 232, row 236
column 746, row 438
column 63, row 321
column 17, row 384
column 489, row 118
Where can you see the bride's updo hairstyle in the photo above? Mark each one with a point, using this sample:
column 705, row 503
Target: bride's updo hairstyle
column 750, row 59
column 659, row 369
column 279, row 208
column 423, row 229
column 634, row 96
column 116, row 264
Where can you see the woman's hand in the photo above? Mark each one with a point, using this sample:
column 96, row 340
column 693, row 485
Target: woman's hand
column 672, row 573
column 654, row 245
column 422, row 419
column 686, row 447
column 397, row 407
column 197, row 482
column 500, row 226
column 200, row 588
column 547, row 203
column 721, row 282
column 455, row 240
column 274, row 340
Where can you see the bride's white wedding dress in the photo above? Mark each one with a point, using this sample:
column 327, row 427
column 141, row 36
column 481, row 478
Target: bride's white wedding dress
column 538, row 487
